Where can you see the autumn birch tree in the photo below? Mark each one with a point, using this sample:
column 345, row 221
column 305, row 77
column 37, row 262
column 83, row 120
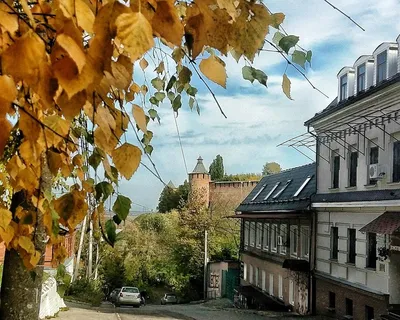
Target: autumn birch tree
column 68, row 93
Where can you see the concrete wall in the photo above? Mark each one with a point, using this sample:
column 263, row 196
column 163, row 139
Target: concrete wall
column 358, row 274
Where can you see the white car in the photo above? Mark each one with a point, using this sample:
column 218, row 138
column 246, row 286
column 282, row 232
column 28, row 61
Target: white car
column 128, row 296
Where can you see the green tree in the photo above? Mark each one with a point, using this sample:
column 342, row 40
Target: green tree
column 172, row 198
column 271, row 168
column 217, row 168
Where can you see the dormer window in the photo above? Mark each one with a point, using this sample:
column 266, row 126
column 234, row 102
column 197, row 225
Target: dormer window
column 381, row 62
column 343, row 87
column 361, row 78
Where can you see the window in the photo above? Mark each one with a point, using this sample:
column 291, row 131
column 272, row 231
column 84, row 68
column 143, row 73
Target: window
column 332, row 300
column 294, row 234
column 257, row 280
column 343, row 87
column 252, row 233
column 336, row 169
column 361, row 78
column 245, row 271
column 302, row 186
column 251, row 279
column 349, row 307
column 259, row 234
column 353, row 169
column 246, row 232
column 274, row 235
column 334, row 242
column 280, row 287
column 381, row 66
column 283, row 189
column 352, row 246
column 272, row 191
column 396, row 161
column 283, row 234
column 305, row 241
column 266, row 236
column 291, row 292
column 271, row 284
column 373, row 159
column 371, row 254
column 258, row 193
column 263, row 279
column 369, row 313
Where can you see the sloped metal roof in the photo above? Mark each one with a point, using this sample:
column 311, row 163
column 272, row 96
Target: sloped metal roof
column 286, row 200
column 200, row 168
column 386, row 223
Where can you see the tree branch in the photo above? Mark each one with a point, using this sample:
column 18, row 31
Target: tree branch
column 347, row 16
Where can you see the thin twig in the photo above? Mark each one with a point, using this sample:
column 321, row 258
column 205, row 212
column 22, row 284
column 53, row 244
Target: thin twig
column 297, row 69
column 347, row 16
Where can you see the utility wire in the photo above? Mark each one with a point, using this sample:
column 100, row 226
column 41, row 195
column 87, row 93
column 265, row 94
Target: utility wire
column 180, row 141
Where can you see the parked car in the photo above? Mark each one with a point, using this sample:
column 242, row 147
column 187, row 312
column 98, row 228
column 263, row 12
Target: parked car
column 113, row 295
column 169, row 298
column 128, row 296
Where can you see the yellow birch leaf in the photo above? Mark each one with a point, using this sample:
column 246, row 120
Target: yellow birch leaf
column 8, row 90
column 56, row 129
column 127, row 159
column 7, row 20
column 30, row 127
column 28, row 180
column 286, row 86
column 104, row 118
column 87, row 185
column 135, row 33
column 84, row 16
column 230, row 6
column 166, row 22
column 73, row 49
column 7, row 234
column 143, row 64
column 71, row 208
column 28, row 12
column 26, row 244
column 140, row 117
column 71, row 107
column 5, row 217
column 135, row 88
column 214, row 69
column 122, row 71
column 5, row 129
column 77, row 160
column 35, row 257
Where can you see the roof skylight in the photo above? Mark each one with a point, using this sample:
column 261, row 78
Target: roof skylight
column 302, row 186
column 272, row 191
column 258, row 193
column 283, row 189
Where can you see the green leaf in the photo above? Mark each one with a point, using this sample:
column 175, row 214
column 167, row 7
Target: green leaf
column 251, row 74
column 177, row 103
column 288, row 42
column 184, row 75
column 158, row 84
column 111, row 231
column 114, row 175
column 153, row 100
column 171, row 96
column 116, row 219
column 147, row 137
column 277, row 37
column 308, row 56
column 95, row 159
column 160, row 96
column 286, row 86
column 160, row 68
column 191, row 103
column 178, row 54
column 103, row 190
column 148, row 149
column 171, row 83
column 153, row 113
column 121, row 206
column 191, row 91
column 299, row 57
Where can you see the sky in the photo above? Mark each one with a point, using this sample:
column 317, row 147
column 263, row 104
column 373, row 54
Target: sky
column 259, row 118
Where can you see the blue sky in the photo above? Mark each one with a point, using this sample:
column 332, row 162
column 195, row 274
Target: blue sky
column 260, row 118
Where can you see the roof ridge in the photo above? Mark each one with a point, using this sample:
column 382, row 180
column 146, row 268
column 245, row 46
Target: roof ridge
column 289, row 169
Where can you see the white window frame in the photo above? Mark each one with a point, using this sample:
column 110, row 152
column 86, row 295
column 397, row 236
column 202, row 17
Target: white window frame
column 245, row 271
column 291, row 292
column 305, row 241
column 259, row 232
column 246, row 232
column 280, row 287
column 302, row 186
column 294, row 245
column 263, row 279
column 252, row 234
column 274, row 237
column 266, row 236
column 272, row 190
column 271, row 284
column 283, row 233
column 251, row 279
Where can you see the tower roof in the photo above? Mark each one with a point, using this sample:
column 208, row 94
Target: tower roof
column 171, row 185
column 200, row 168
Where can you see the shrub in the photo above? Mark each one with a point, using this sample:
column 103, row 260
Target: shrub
column 86, row 290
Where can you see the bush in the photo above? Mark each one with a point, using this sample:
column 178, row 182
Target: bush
column 85, row 290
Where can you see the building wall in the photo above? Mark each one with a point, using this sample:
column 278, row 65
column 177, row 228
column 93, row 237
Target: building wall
column 360, row 299
column 274, row 269
column 358, row 274
column 200, row 187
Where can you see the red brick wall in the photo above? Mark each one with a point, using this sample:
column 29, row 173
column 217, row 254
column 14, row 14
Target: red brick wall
column 360, row 299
